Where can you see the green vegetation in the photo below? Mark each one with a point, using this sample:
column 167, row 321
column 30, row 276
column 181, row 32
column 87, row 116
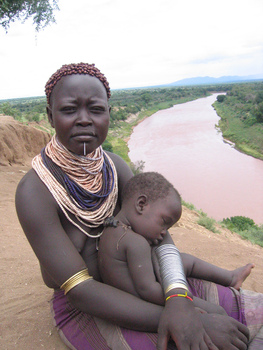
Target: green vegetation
column 188, row 205
column 203, row 219
column 137, row 167
column 40, row 10
column 243, row 226
column 207, row 222
column 246, row 228
column 241, row 112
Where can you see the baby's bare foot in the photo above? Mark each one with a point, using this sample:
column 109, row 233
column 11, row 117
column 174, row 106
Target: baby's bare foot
column 240, row 274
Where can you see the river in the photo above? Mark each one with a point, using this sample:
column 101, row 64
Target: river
column 183, row 144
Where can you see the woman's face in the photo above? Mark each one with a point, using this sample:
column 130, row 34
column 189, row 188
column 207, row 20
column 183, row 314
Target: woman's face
column 79, row 113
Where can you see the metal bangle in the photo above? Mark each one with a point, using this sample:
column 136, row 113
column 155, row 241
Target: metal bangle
column 74, row 280
column 171, row 268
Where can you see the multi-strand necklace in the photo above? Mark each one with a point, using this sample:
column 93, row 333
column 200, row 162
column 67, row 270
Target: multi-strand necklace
column 85, row 186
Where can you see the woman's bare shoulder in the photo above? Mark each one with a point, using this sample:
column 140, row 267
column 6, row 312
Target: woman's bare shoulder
column 30, row 178
column 32, row 192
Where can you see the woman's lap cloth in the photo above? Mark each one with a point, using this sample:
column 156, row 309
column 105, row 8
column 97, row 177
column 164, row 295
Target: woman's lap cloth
column 80, row 331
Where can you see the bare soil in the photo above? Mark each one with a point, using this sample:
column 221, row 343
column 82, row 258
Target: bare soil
column 26, row 323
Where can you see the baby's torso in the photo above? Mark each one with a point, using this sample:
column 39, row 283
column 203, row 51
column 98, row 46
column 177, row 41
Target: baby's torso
column 112, row 258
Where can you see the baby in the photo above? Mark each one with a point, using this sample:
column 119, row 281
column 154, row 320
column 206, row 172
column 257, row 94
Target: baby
column 150, row 206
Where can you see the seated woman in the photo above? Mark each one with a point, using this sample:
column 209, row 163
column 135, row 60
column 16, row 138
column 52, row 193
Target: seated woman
column 150, row 206
column 62, row 202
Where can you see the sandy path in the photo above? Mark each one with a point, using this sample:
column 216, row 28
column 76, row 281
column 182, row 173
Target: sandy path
column 26, row 323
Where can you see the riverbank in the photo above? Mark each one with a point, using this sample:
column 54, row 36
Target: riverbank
column 241, row 118
column 183, row 144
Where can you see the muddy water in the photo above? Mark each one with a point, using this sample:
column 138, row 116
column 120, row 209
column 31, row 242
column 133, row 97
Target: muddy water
column 183, row 144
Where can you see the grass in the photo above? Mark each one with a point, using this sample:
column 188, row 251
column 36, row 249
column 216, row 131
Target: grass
column 246, row 228
column 248, row 139
column 243, row 226
column 207, row 222
column 188, row 205
column 203, row 219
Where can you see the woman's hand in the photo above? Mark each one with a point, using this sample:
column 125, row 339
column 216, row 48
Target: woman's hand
column 183, row 323
column 226, row 332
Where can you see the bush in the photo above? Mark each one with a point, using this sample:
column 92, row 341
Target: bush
column 207, row 222
column 239, row 223
column 221, row 98
column 246, row 228
column 107, row 146
column 254, row 235
column 188, row 205
column 137, row 167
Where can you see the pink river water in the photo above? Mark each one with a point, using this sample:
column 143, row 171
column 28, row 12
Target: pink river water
column 183, row 144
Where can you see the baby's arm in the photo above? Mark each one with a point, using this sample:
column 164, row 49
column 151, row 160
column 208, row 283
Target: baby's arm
column 198, row 268
column 199, row 303
column 141, row 269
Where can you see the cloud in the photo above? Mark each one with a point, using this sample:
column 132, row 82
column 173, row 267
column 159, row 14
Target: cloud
column 135, row 43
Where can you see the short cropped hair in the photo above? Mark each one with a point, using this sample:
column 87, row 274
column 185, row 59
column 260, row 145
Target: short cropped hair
column 75, row 68
column 152, row 184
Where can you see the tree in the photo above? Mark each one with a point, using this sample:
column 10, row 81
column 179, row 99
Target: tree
column 41, row 10
column 7, row 109
column 107, row 146
column 258, row 112
column 221, row 98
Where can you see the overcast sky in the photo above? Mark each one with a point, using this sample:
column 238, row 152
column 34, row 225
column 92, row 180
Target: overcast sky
column 135, row 42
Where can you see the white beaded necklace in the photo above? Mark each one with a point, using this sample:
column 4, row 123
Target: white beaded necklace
column 85, row 172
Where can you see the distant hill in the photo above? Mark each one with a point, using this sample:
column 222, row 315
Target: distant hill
column 203, row 81
column 212, row 81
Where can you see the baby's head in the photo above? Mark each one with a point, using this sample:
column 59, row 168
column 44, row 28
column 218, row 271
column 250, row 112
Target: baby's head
column 152, row 205
column 152, row 184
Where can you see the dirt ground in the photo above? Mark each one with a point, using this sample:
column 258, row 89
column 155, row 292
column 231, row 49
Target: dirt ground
column 24, row 299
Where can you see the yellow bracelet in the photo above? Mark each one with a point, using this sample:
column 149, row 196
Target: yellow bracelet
column 179, row 295
column 74, row 280
column 176, row 285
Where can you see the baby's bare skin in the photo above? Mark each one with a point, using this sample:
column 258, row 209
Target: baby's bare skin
column 240, row 274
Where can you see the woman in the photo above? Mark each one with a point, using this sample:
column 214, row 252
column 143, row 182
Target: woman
column 61, row 204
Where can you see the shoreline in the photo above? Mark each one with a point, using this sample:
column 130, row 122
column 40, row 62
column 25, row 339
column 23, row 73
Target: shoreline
column 232, row 165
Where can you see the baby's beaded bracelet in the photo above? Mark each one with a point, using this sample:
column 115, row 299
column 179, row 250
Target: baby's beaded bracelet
column 179, row 295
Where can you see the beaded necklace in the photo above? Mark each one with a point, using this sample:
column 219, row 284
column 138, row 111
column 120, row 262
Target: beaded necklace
column 85, row 186
column 112, row 222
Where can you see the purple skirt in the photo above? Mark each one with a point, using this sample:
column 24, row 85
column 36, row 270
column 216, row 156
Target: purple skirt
column 80, row 331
